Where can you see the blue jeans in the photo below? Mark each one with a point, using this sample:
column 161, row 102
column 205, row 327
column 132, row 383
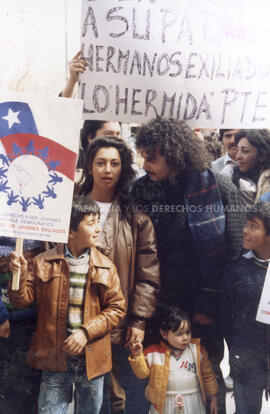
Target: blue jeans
column 56, row 390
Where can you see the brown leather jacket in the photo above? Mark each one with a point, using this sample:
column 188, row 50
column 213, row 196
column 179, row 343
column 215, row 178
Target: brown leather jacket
column 131, row 245
column 47, row 282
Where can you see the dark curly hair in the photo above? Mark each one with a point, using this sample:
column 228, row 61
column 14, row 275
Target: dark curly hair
column 213, row 148
column 260, row 139
column 176, row 142
column 127, row 173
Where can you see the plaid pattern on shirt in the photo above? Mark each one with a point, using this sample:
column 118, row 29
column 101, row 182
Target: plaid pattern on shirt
column 234, row 213
column 206, row 220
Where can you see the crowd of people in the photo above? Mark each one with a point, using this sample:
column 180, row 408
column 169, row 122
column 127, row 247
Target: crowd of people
column 131, row 314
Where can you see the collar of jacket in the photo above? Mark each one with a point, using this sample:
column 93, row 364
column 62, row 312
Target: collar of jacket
column 98, row 263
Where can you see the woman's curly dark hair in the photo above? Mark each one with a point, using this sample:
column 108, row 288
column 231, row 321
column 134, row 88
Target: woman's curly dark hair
column 176, row 142
column 127, row 176
column 260, row 139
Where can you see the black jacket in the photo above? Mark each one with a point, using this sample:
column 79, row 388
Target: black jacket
column 243, row 284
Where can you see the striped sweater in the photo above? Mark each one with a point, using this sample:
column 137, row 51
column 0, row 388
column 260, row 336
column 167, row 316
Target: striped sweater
column 78, row 269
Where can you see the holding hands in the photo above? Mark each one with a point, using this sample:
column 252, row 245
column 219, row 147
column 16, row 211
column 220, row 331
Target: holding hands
column 136, row 348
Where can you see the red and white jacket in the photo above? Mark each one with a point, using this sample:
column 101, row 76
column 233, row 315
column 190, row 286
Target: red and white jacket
column 155, row 364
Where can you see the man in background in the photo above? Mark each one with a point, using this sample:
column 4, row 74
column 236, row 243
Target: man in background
column 227, row 137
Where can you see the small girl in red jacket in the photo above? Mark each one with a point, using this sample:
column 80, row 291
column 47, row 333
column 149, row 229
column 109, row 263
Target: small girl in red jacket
column 179, row 371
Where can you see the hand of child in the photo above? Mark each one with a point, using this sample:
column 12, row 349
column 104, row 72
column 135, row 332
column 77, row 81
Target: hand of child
column 17, row 262
column 214, row 404
column 5, row 329
column 76, row 342
column 136, row 348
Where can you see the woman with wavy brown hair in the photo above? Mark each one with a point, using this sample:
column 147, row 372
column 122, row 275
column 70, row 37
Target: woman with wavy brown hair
column 128, row 239
column 252, row 174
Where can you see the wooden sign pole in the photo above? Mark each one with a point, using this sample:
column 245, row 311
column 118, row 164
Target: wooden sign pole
column 16, row 274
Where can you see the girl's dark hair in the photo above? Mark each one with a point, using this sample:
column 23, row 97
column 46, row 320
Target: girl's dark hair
column 169, row 317
column 260, row 210
column 127, row 173
column 260, row 139
column 81, row 207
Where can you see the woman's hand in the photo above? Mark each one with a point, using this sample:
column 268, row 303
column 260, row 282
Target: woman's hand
column 76, row 65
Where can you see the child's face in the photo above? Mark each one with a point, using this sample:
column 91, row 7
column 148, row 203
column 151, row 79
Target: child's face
column 254, row 235
column 87, row 233
column 180, row 338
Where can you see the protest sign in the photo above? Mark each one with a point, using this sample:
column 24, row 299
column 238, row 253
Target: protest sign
column 201, row 61
column 263, row 313
column 39, row 140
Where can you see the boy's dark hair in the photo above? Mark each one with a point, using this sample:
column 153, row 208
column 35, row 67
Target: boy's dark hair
column 169, row 317
column 260, row 210
column 81, row 207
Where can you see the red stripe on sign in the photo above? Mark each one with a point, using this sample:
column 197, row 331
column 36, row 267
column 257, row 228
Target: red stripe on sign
column 55, row 156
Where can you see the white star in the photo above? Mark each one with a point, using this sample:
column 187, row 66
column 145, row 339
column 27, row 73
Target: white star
column 12, row 118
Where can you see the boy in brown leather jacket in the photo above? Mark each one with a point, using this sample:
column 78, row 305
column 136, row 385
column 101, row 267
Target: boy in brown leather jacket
column 79, row 301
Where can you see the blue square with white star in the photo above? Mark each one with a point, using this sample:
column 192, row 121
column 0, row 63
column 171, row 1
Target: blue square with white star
column 16, row 118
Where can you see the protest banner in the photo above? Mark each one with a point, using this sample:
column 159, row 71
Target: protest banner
column 39, row 141
column 263, row 313
column 201, row 61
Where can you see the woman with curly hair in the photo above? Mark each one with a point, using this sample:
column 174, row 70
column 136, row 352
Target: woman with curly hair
column 117, row 177
column 252, row 174
column 128, row 239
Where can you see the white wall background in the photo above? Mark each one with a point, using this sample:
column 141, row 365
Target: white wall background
column 37, row 39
